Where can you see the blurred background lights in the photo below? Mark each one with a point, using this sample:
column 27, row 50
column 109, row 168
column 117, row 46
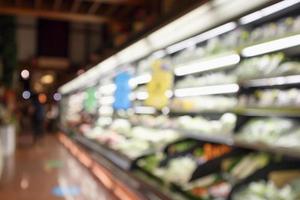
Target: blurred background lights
column 26, row 94
column 25, row 74
column 42, row 98
column 57, row 96
column 47, row 79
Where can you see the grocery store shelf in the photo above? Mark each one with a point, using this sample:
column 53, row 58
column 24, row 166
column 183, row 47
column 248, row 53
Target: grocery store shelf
column 219, row 139
column 112, row 176
column 274, row 81
column 208, row 113
column 118, row 159
column 248, row 111
column 270, row 112
column 293, row 153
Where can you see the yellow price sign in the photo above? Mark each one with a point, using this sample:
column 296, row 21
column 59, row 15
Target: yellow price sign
column 160, row 84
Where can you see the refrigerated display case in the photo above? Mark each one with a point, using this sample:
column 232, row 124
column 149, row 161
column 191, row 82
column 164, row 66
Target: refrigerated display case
column 213, row 109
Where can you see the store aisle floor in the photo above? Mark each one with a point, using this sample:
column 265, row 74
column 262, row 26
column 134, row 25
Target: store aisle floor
column 46, row 171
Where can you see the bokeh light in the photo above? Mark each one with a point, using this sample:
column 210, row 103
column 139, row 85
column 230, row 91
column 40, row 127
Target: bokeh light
column 42, row 98
column 25, row 74
column 57, row 96
column 26, row 94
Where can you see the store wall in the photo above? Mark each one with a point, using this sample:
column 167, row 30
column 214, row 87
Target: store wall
column 26, row 37
column 83, row 40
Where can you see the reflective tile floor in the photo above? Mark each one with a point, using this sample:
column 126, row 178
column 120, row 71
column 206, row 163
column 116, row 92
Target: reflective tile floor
column 46, row 171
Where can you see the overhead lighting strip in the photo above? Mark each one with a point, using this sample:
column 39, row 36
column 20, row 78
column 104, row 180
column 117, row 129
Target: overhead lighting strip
column 206, row 65
column 138, row 80
column 202, row 37
column 207, row 90
column 272, row 46
column 268, row 11
column 107, row 100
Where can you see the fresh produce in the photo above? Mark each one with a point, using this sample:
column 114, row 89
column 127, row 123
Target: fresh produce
column 218, row 185
column 290, row 140
column 213, row 151
column 267, row 190
column 272, row 98
column 247, row 165
column 182, row 147
column 267, row 130
column 223, row 126
column 210, row 151
column 150, row 163
column 266, row 66
column 207, row 79
column 209, row 187
column 195, row 104
column 179, row 170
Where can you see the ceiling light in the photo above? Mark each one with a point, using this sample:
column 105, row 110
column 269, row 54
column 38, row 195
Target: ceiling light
column 57, row 96
column 267, row 11
column 47, row 79
column 272, row 46
column 26, row 94
column 25, row 74
column 42, row 98
column 205, row 65
column 207, row 90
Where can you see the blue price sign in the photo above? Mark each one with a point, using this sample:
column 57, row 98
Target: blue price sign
column 122, row 92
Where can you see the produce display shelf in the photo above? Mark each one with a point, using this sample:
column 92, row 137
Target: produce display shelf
column 248, row 111
column 231, row 140
column 268, row 111
column 134, row 179
column 280, row 151
column 271, row 81
column 120, row 160
column 219, row 139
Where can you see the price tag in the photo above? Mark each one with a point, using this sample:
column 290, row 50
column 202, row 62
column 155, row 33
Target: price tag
column 122, row 92
column 160, row 84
